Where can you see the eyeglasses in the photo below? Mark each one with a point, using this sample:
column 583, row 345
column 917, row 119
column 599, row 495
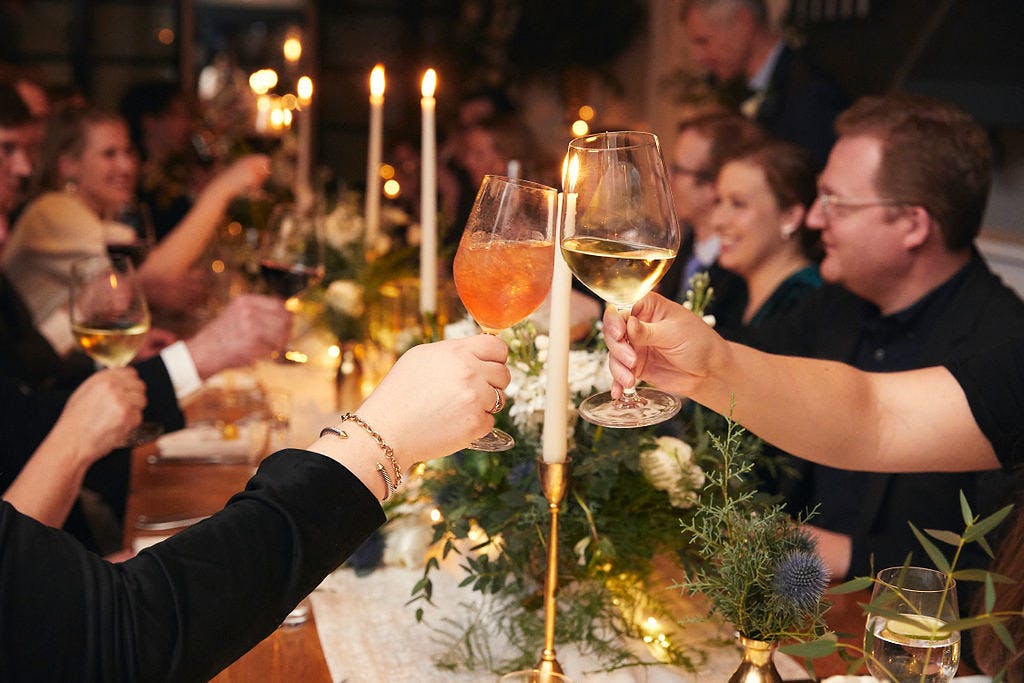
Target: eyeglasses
column 700, row 176
column 834, row 206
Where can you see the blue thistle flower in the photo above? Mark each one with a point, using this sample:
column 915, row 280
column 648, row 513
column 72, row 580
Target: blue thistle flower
column 368, row 556
column 800, row 578
column 522, row 471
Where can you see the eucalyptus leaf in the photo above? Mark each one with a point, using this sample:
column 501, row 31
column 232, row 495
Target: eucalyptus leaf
column 1004, row 636
column 945, row 536
column 936, row 556
column 990, row 594
column 965, row 509
column 812, row 649
column 979, row 529
column 852, row 586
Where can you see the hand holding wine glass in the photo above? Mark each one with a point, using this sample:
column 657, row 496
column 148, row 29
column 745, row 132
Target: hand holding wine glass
column 110, row 317
column 504, row 262
column 619, row 237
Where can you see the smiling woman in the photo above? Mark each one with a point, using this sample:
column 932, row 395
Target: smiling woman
column 87, row 176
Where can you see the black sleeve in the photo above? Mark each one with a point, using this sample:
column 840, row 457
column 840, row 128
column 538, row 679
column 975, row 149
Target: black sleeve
column 187, row 607
column 25, row 419
column 994, row 385
column 161, row 402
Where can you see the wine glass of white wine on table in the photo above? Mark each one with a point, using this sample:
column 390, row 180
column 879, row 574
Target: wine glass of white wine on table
column 619, row 237
column 906, row 638
column 291, row 253
column 110, row 318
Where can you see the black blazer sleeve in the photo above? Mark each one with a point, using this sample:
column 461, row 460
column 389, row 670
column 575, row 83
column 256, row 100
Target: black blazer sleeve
column 189, row 606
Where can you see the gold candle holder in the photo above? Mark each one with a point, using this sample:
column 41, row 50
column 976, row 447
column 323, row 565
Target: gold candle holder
column 554, row 481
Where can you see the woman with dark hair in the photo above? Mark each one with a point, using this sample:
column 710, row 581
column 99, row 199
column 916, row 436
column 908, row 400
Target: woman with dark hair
column 86, row 177
column 764, row 193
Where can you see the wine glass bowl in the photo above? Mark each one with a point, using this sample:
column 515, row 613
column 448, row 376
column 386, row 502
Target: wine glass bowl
column 110, row 318
column 503, row 265
column 905, row 637
column 291, row 251
column 619, row 237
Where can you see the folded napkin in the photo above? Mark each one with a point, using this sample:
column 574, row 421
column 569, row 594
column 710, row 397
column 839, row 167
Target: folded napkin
column 870, row 679
column 207, row 441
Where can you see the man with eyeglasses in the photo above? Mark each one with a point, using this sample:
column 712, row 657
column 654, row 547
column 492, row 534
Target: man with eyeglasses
column 701, row 146
column 899, row 205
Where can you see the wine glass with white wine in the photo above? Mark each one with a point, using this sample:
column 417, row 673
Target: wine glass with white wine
column 110, row 318
column 619, row 237
column 906, row 638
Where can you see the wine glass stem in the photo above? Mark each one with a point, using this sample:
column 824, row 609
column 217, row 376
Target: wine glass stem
column 629, row 395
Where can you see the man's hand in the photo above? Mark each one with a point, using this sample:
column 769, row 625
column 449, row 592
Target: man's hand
column 251, row 327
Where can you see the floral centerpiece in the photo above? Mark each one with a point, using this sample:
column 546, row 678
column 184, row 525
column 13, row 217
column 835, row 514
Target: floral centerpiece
column 629, row 491
column 352, row 281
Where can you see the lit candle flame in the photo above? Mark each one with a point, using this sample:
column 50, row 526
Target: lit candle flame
column 570, row 172
column 429, row 83
column 377, row 82
column 304, row 89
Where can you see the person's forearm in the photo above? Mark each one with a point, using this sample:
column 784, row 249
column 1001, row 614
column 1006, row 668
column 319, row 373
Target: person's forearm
column 836, row 415
column 176, row 252
column 48, row 485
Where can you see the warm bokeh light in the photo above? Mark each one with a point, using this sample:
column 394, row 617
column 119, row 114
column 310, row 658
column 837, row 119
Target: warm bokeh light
column 217, row 266
column 586, row 112
column 277, row 118
column 304, row 89
column 333, row 351
column 387, row 171
column 286, row 117
column 429, row 84
column 292, row 49
column 263, row 81
column 392, row 189
column 435, row 515
column 377, row 82
column 289, row 101
column 580, row 128
column 263, row 103
column 165, row 36
column 234, row 228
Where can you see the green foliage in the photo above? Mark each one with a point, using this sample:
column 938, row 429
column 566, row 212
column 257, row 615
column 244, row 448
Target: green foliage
column 743, row 538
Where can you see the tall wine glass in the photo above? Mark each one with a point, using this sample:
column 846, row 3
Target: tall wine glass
column 619, row 237
column 291, row 254
column 504, row 261
column 110, row 318
column 291, row 251
column 906, row 638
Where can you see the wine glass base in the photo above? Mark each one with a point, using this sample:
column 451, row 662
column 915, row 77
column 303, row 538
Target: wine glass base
column 493, row 442
column 651, row 407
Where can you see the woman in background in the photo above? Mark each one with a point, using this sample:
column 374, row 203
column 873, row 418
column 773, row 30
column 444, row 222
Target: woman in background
column 87, row 176
column 764, row 193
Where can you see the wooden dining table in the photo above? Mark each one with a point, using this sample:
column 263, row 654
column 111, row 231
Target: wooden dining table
column 162, row 488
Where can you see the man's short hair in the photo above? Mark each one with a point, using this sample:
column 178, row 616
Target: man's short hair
column 726, row 132
column 13, row 111
column 933, row 155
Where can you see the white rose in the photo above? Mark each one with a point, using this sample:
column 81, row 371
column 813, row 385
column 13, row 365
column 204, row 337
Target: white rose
column 345, row 296
column 460, row 329
column 342, row 227
column 670, row 467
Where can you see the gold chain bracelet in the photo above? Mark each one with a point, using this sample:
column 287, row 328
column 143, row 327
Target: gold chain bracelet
column 390, row 486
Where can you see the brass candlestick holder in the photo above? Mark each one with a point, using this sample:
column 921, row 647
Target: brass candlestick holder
column 554, row 481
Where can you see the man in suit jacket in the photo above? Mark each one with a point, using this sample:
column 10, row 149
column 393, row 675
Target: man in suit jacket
column 785, row 92
column 899, row 205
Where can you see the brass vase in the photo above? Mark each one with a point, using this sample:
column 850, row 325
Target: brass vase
column 757, row 665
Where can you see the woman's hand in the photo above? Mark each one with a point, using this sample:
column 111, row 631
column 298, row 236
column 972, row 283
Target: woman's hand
column 242, row 177
column 102, row 412
column 436, row 398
